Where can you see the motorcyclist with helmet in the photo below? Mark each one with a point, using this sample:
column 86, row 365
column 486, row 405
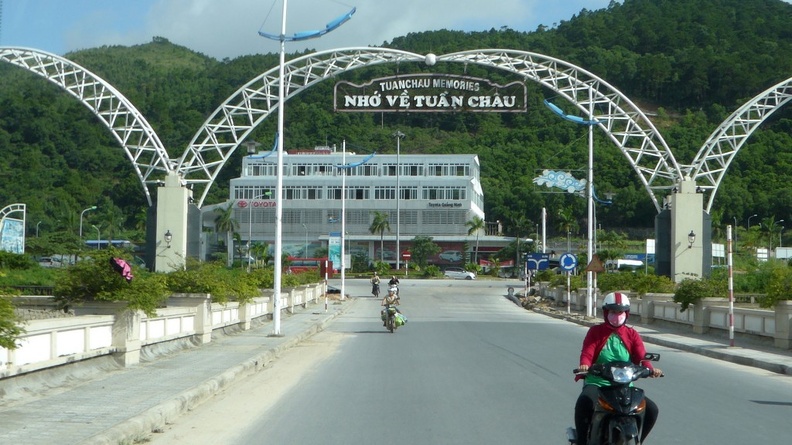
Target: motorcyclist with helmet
column 394, row 284
column 391, row 299
column 610, row 341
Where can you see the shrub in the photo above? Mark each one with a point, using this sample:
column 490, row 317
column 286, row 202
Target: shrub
column 691, row 291
column 93, row 279
column 432, row 271
column 9, row 260
column 779, row 288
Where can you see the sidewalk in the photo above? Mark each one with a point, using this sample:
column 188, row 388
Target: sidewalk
column 126, row 404
column 744, row 352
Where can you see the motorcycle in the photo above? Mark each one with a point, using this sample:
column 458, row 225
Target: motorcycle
column 619, row 413
column 392, row 318
column 375, row 290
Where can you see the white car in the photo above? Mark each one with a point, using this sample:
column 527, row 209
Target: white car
column 451, row 255
column 458, row 273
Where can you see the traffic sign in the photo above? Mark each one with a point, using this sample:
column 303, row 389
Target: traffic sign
column 538, row 261
column 567, row 262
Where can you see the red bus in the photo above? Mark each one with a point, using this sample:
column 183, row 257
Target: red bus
column 299, row 265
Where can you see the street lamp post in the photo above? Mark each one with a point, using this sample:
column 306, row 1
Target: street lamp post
column 734, row 235
column 37, row 229
column 748, row 227
column 282, row 38
column 98, row 237
column 81, row 218
column 398, row 135
column 305, row 245
column 770, row 236
column 344, row 167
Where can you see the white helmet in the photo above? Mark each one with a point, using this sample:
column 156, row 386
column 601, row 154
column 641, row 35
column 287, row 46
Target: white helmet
column 616, row 301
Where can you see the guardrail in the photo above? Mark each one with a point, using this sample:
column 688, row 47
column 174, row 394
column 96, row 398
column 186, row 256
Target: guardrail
column 708, row 315
column 99, row 329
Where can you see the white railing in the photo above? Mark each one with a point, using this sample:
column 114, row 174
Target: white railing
column 709, row 314
column 58, row 341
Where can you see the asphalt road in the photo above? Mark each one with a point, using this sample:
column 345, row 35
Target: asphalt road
column 470, row 367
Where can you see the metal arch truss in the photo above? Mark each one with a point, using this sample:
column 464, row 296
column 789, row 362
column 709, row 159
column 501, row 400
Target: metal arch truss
column 129, row 127
column 232, row 121
column 711, row 162
column 11, row 208
column 625, row 124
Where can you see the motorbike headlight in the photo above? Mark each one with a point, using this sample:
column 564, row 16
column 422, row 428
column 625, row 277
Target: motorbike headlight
column 622, row 375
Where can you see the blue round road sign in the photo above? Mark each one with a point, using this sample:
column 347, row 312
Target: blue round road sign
column 567, row 262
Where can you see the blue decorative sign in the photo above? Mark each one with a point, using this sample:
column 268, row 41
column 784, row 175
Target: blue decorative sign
column 562, row 180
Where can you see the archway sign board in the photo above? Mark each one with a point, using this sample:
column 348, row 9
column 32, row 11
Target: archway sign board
column 430, row 93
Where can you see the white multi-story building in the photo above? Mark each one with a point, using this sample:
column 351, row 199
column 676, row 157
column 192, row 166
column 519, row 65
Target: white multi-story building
column 438, row 195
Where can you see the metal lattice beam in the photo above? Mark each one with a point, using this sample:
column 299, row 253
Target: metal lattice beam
column 713, row 159
column 116, row 112
column 624, row 123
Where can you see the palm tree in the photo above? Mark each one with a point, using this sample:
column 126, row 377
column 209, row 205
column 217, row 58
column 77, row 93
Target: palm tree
column 225, row 223
column 474, row 226
column 567, row 222
column 380, row 225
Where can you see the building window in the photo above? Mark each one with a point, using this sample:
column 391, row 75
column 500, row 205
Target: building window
column 384, row 193
column 358, row 193
column 412, row 170
column 334, row 192
column 444, row 193
column 302, row 192
column 364, row 170
column 408, row 193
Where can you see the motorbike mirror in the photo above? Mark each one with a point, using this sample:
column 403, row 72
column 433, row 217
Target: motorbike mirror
column 651, row 356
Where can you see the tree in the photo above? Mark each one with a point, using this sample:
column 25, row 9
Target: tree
column 474, row 226
column 380, row 225
column 422, row 248
column 225, row 223
column 567, row 222
column 9, row 329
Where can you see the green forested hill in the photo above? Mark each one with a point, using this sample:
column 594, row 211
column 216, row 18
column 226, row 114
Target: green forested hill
column 688, row 62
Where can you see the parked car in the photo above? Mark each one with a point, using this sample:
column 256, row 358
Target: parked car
column 451, row 255
column 458, row 273
column 49, row 262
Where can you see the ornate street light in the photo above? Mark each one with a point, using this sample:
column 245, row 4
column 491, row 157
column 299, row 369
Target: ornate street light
column 282, row 38
column 590, row 123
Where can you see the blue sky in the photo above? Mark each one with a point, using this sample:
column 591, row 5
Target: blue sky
column 229, row 28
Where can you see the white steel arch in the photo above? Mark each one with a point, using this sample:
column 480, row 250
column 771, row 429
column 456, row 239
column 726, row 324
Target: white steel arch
column 713, row 159
column 116, row 112
column 625, row 123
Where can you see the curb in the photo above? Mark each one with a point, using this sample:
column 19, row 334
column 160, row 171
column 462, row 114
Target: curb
column 157, row 417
